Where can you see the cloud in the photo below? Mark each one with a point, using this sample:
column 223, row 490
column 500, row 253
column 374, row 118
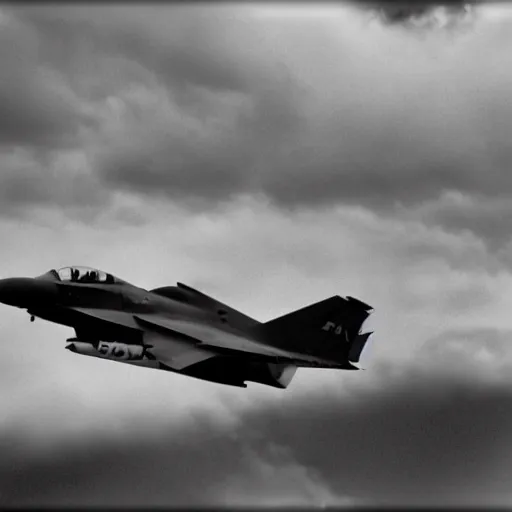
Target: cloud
column 346, row 127
column 176, row 104
column 421, row 14
column 32, row 178
column 37, row 107
column 175, row 473
column 434, row 431
column 487, row 217
column 302, row 110
column 77, row 430
column 426, row 278
column 270, row 156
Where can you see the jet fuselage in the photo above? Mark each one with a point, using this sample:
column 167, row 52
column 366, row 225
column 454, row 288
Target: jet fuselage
column 180, row 329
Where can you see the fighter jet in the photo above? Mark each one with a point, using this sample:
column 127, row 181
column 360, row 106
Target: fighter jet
column 180, row 329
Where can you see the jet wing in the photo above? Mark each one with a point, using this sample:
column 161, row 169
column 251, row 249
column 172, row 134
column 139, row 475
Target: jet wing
column 174, row 351
column 185, row 343
column 121, row 318
column 222, row 341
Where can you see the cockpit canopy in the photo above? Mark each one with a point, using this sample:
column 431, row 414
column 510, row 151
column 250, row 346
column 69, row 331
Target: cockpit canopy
column 85, row 275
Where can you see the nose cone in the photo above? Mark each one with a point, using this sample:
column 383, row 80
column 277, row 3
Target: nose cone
column 25, row 292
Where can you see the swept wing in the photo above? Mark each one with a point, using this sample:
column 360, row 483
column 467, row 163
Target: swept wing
column 224, row 341
column 178, row 343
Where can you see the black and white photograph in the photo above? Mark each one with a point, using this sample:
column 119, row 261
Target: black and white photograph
column 256, row 255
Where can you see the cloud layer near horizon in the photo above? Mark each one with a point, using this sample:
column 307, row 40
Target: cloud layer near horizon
column 435, row 431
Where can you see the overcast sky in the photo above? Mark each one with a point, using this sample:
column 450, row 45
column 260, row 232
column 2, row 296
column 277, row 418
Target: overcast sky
column 271, row 155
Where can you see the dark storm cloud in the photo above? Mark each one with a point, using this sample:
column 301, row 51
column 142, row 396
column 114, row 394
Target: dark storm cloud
column 418, row 13
column 432, row 118
column 123, row 472
column 183, row 46
column 200, row 101
column 38, row 178
column 36, row 106
column 201, row 104
column 376, row 145
column 41, row 123
column 434, row 430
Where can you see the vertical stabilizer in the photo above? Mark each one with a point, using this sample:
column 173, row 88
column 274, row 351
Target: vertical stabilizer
column 329, row 328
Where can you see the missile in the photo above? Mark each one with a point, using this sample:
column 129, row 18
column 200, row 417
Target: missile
column 131, row 354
